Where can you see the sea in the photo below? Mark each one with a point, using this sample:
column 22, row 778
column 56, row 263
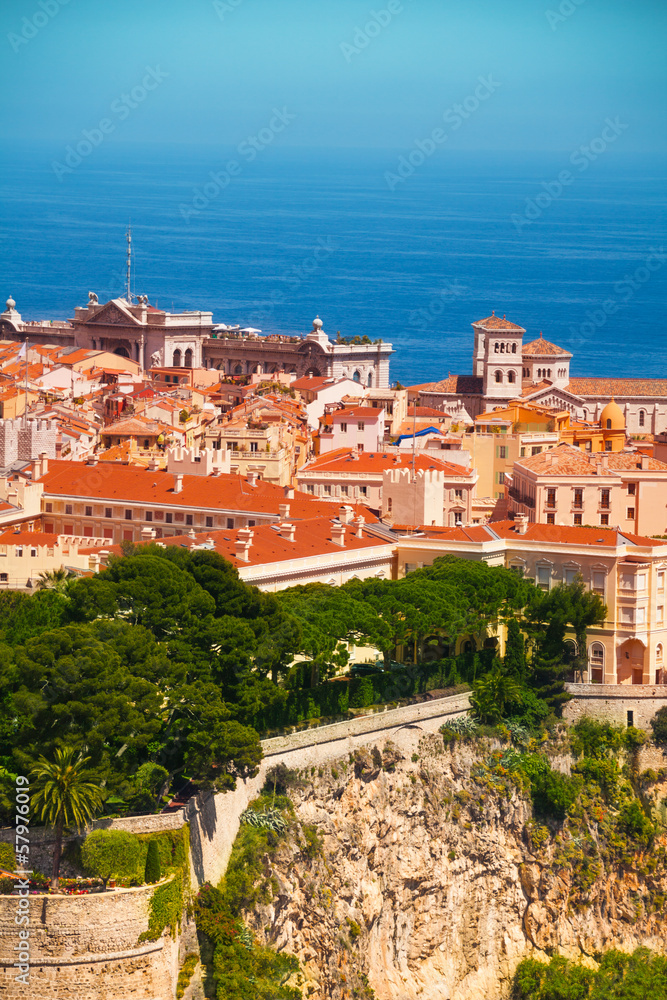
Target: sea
column 373, row 241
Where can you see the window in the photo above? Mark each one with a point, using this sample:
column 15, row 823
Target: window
column 599, row 577
column 108, row 512
column 149, row 515
column 627, row 616
column 363, row 490
column 577, row 520
column 631, row 489
column 48, row 528
column 642, row 418
column 88, row 531
column 500, row 478
column 310, row 488
column 543, row 577
column 169, row 517
column 327, row 491
column 209, row 522
column 607, row 446
column 230, row 522
column 48, row 508
column 251, row 524
column 660, row 614
column 3, row 578
column 89, row 511
column 128, row 515
column 344, row 490
column 68, row 529
column 640, row 616
column 551, row 497
column 536, row 449
column 511, row 376
column 661, row 579
column 522, row 453
column 609, row 425
column 360, row 447
column 458, row 518
column 188, row 519
column 33, row 553
column 513, row 348
column 604, row 498
column 108, row 532
column 604, row 520
column 551, row 518
column 360, row 425
column 68, row 508
column 498, row 376
column 631, row 513
column 390, row 504
column 570, row 574
column 658, row 652
column 343, row 428
column 254, row 446
column 127, row 536
column 19, row 552
column 501, row 451
column 458, row 494
column 578, row 498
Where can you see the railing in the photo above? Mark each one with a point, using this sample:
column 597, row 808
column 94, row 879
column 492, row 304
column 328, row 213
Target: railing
column 527, row 501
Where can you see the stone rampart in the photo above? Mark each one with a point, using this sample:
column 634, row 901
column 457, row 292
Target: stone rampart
column 87, row 948
column 613, row 702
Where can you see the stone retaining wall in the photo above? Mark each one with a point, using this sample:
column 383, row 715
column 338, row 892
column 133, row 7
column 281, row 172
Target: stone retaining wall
column 87, row 948
column 612, row 702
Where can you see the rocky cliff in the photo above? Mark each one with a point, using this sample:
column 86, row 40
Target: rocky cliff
column 423, row 875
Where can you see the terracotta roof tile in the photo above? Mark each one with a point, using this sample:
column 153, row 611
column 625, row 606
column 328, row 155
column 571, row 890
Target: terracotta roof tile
column 343, row 460
column 544, row 348
column 606, row 387
column 494, row 322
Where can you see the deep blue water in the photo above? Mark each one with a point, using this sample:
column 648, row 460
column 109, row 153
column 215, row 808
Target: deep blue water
column 415, row 266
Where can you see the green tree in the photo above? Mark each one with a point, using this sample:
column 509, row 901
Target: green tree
column 515, row 650
column 152, row 870
column 493, row 692
column 116, row 854
column 216, row 758
column 55, row 579
column 64, row 795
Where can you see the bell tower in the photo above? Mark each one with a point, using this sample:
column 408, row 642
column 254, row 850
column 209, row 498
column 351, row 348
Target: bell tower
column 498, row 356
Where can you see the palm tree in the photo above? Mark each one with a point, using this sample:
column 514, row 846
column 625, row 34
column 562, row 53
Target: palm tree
column 64, row 796
column 493, row 692
column 55, row 579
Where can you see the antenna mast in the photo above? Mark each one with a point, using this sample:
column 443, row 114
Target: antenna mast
column 128, row 294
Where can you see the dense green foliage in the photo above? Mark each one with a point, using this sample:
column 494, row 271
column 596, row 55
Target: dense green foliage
column 242, row 968
column 115, row 854
column 7, row 857
column 165, row 667
column 152, row 870
column 639, row 976
column 659, row 726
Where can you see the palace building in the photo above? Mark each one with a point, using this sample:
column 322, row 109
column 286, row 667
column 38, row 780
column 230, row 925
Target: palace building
column 505, row 370
column 155, row 338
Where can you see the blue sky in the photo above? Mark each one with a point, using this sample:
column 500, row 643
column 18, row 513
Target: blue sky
column 226, row 65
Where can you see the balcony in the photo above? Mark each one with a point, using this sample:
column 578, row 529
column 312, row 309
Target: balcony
column 521, row 498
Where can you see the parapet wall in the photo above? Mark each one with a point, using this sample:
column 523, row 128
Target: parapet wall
column 612, row 702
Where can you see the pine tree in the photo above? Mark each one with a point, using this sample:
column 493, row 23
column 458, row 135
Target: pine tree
column 153, row 871
column 515, row 650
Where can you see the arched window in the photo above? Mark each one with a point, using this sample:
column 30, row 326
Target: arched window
column 549, row 373
column 499, row 376
column 511, row 377
column 496, row 348
column 609, row 425
column 513, row 348
column 357, row 376
column 188, row 358
column 658, row 653
column 596, row 660
column 238, row 370
column 370, row 380
column 502, row 348
column 176, row 361
column 585, row 416
column 642, row 418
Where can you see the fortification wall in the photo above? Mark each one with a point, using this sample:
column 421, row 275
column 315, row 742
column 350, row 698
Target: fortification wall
column 612, row 702
column 87, row 948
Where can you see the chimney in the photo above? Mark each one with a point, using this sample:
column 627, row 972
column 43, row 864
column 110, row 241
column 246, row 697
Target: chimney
column 289, row 492
column 178, row 483
column 345, row 514
column 242, row 544
column 92, row 460
column 251, row 478
column 359, row 522
column 521, row 523
column 286, row 531
column 644, row 466
column 338, row 533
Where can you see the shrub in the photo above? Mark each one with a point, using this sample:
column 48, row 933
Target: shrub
column 659, row 725
column 364, row 695
column 6, row 886
column 7, row 857
column 554, row 793
column 633, row 821
column 152, row 871
column 114, row 854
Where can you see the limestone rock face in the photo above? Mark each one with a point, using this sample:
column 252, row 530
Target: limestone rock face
column 426, row 885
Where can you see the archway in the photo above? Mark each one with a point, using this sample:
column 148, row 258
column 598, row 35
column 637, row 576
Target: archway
column 630, row 666
column 122, row 352
column 188, row 358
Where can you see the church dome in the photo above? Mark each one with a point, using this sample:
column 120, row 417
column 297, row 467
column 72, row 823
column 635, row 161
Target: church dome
column 612, row 417
column 10, row 303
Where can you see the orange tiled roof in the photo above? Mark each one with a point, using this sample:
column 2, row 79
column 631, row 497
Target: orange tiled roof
column 357, row 412
column 618, row 386
column 469, row 385
column 535, row 387
column 571, row 535
column 630, row 460
column 36, row 538
column 565, row 460
column 494, row 322
column 544, row 348
column 312, row 537
column 368, row 462
column 119, row 483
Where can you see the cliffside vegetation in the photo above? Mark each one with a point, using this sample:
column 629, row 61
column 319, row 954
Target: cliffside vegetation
column 618, row 977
